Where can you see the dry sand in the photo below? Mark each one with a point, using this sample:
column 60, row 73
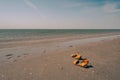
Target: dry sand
column 57, row 64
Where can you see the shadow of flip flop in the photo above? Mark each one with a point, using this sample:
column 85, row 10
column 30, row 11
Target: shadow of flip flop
column 88, row 66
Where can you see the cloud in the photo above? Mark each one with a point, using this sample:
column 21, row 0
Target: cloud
column 111, row 8
column 31, row 4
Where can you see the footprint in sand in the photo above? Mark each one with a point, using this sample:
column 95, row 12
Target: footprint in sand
column 9, row 56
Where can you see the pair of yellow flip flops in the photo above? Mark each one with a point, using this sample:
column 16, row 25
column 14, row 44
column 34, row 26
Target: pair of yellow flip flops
column 78, row 57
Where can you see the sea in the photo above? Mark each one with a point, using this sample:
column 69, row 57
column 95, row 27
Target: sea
column 30, row 34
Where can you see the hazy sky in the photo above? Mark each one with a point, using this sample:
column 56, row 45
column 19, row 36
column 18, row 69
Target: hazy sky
column 44, row 14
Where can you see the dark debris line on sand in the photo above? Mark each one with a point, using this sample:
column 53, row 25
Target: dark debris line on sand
column 9, row 55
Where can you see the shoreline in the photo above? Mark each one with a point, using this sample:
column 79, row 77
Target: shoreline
column 14, row 43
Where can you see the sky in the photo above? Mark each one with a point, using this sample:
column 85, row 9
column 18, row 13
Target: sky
column 59, row 14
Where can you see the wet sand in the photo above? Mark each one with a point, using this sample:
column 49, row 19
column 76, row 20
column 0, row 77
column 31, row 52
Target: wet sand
column 55, row 63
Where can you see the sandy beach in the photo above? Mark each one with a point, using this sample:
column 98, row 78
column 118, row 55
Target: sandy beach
column 59, row 39
column 50, row 60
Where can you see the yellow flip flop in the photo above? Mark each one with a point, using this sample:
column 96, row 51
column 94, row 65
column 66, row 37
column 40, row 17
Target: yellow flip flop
column 84, row 63
column 76, row 56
